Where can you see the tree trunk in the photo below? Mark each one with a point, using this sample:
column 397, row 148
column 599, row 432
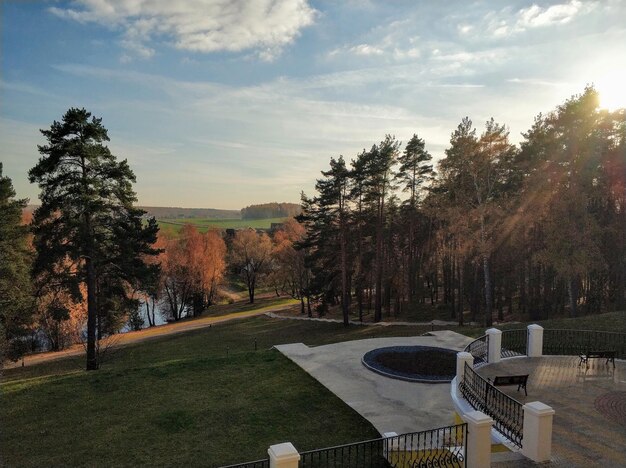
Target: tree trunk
column 572, row 291
column 92, row 358
column 460, row 267
column 251, row 291
column 345, row 300
column 486, row 272
column 379, row 273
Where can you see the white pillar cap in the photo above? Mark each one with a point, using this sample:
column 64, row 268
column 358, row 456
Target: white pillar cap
column 493, row 331
column 534, row 326
column 477, row 418
column 283, row 452
column 464, row 355
column 387, row 435
column 536, row 408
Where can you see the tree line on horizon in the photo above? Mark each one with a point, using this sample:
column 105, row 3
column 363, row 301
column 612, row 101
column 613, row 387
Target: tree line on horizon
column 492, row 229
column 271, row 210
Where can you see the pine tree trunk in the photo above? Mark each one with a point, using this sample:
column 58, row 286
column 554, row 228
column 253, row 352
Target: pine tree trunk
column 345, row 300
column 487, row 275
column 379, row 271
column 573, row 296
column 488, row 312
column 460, row 267
column 92, row 358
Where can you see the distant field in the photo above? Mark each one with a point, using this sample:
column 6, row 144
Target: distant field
column 174, row 225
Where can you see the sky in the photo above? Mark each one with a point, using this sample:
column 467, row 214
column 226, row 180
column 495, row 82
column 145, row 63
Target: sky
column 226, row 103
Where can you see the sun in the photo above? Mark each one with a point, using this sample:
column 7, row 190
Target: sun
column 612, row 90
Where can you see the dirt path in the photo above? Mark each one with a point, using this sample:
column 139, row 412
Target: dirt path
column 125, row 339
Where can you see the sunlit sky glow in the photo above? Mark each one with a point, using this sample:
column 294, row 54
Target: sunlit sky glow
column 226, row 103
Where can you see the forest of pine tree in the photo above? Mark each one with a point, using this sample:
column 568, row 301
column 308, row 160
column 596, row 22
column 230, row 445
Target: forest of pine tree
column 491, row 232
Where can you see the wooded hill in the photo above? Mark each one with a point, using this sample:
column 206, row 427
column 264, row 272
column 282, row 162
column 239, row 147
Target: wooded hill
column 271, row 210
column 177, row 212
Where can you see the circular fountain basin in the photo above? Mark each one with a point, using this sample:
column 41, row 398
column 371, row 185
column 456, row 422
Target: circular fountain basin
column 426, row 364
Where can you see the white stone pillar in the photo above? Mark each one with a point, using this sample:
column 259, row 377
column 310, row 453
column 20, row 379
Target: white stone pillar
column 537, row 441
column 283, row 456
column 494, row 337
column 534, row 347
column 478, row 441
column 461, row 359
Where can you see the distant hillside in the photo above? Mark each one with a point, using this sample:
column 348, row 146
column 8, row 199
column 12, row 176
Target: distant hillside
column 271, row 210
column 175, row 212
column 260, row 211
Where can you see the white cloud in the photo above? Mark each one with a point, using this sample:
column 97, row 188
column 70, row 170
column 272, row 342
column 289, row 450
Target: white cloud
column 265, row 26
column 508, row 22
column 366, row 49
column 535, row 16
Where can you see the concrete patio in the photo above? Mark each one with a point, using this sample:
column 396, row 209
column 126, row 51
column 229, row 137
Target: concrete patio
column 389, row 404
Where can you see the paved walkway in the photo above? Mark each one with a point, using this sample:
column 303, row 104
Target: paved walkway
column 439, row 323
column 132, row 337
column 389, row 404
column 589, row 427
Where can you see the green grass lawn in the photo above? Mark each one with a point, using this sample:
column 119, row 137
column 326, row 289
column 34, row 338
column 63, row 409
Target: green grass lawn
column 174, row 225
column 205, row 397
column 610, row 321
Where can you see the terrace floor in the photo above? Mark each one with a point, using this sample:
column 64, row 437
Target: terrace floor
column 389, row 404
column 589, row 427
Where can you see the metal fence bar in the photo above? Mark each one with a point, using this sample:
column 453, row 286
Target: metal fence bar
column 514, row 343
column 253, row 464
column 442, row 447
column 574, row 342
column 479, row 348
column 506, row 412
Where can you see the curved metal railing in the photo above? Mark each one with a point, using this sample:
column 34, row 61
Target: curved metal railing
column 514, row 343
column 479, row 348
column 507, row 413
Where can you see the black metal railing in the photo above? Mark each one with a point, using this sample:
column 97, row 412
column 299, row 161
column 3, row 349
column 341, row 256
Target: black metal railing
column 575, row 342
column 369, row 453
column 479, row 348
column 253, row 464
column 514, row 343
column 506, row 412
column 442, row 447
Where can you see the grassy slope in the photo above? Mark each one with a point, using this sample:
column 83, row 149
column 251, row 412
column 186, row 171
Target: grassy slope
column 180, row 400
column 201, row 397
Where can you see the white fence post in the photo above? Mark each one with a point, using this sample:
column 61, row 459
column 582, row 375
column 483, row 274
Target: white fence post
column 537, row 431
column 495, row 344
column 478, row 443
column 283, row 455
column 461, row 359
column 535, row 341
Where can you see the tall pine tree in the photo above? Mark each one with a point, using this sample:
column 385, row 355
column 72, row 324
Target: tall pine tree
column 15, row 301
column 87, row 231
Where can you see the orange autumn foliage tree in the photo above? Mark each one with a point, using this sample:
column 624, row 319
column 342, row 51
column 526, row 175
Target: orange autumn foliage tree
column 192, row 269
column 61, row 318
column 251, row 256
column 289, row 272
